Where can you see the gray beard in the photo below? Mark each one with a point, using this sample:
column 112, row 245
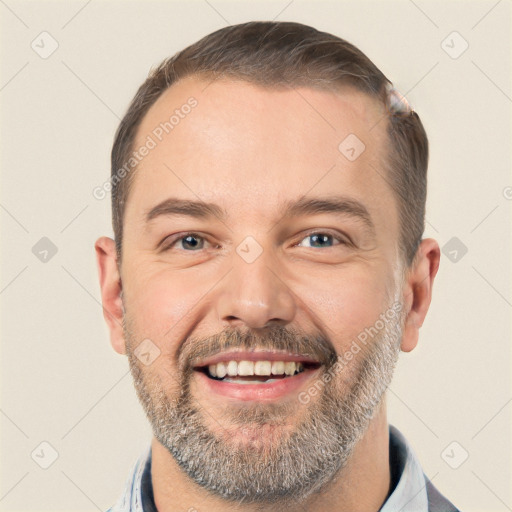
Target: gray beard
column 278, row 465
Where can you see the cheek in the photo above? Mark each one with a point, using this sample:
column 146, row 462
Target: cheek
column 156, row 313
column 159, row 304
column 348, row 305
column 166, row 307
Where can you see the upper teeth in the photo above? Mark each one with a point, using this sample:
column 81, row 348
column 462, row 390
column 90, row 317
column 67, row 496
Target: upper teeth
column 243, row 368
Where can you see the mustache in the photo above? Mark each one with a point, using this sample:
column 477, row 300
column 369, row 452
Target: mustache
column 194, row 350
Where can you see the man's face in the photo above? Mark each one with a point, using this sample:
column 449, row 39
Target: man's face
column 296, row 258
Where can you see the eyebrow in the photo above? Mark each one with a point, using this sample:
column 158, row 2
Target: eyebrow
column 175, row 206
column 336, row 204
column 339, row 205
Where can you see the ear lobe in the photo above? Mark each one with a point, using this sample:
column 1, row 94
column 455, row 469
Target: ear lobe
column 418, row 290
column 111, row 290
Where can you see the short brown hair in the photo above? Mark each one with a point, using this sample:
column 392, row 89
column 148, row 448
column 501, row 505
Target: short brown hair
column 275, row 54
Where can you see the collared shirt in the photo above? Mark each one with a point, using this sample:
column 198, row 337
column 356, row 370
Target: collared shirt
column 412, row 490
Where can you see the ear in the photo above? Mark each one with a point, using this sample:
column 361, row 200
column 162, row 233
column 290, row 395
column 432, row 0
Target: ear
column 418, row 290
column 111, row 287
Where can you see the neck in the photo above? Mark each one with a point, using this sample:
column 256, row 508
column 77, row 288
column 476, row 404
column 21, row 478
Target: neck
column 362, row 486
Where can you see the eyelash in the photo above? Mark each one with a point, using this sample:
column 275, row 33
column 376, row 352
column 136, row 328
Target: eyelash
column 341, row 241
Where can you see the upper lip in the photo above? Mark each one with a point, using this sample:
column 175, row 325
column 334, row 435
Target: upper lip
column 256, row 355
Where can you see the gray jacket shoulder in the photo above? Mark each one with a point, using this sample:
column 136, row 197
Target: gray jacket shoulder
column 436, row 501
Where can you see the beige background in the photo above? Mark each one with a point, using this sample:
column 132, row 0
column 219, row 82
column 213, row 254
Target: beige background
column 60, row 380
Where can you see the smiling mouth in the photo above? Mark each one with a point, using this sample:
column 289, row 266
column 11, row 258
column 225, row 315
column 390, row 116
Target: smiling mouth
column 255, row 372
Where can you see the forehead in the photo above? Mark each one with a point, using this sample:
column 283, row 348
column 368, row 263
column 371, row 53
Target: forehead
column 251, row 147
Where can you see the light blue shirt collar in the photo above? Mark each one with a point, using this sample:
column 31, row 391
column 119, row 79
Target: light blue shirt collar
column 410, row 494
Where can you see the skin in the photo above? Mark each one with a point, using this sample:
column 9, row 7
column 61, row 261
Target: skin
column 249, row 149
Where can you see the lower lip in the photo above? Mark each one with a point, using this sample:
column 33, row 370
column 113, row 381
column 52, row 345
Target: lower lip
column 265, row 391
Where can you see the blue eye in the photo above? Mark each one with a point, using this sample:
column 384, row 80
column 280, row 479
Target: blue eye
column 190, row 242
column 319, row 240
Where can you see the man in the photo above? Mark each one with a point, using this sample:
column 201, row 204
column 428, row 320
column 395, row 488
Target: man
column 268, row 195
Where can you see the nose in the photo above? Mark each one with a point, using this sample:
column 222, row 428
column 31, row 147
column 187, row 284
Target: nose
column 253, row 296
